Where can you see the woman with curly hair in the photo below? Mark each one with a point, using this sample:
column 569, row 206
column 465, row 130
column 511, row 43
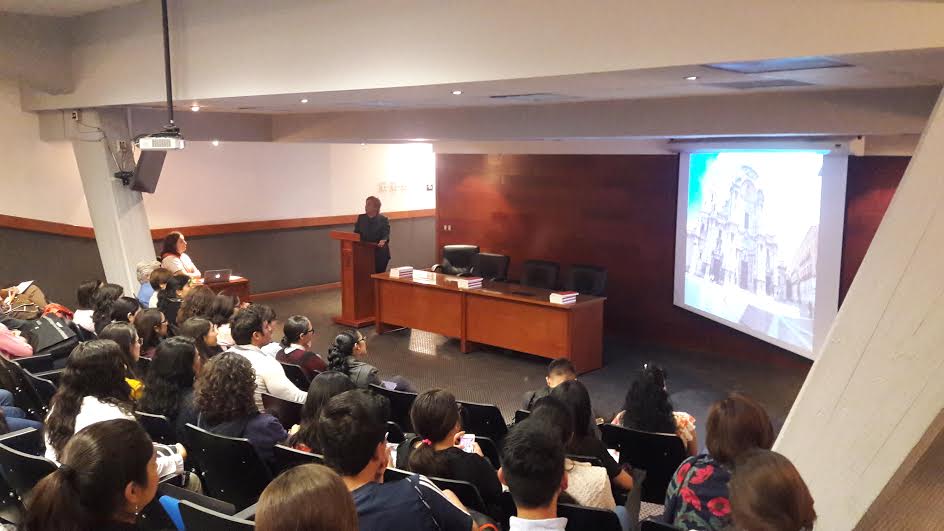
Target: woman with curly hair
column 197, row 303
column 647, row 408
column 168, row 388
column 224, row 396
column 323, row 387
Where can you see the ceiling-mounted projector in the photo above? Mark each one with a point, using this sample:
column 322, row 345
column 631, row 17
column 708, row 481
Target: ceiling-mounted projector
column 161, row 142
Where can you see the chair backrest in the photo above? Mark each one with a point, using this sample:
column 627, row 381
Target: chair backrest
column 400, row 404
column 197, row 517
column 23, row 471
column 394, row 433
column 35, row 364
column 459, row 256
column 591, row 459
column 296, row 375
column 655, row 525
column 483, row 419
column 231, row 469
column 540, row 274
column 581, row 518
column 43, row 387
column 521, row 414
column 395, row 474
column 491, row 266
column 659, row 454
column 53, row 376
column 164, row 510
column 288, row 413
column 467, row 493
column 286, row 458
column 587, row 279
column 27, row 440
column 158, row 427
column 489, row 449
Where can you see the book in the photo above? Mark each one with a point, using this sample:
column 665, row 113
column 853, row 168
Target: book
column 469, row 282
column 401, row 272
column 564, row 297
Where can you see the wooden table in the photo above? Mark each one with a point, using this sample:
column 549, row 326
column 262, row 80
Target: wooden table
column 237, row 286
column 499, row 314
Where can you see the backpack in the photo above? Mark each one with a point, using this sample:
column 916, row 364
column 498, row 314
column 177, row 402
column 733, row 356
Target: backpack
column 51, row 334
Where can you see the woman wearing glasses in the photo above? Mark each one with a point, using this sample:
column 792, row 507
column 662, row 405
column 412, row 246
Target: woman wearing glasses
column 345, row 356
column 152, row 328
column 296, row 346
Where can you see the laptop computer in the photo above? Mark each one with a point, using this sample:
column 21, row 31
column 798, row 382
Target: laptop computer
column 217, row 276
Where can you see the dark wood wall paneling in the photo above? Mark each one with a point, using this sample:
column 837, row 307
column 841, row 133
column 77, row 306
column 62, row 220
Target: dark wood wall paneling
column 619, row 211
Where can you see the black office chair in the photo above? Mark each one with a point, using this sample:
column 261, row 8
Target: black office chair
column 483, row 419
column 521, row 414
column 489, row 450
column 540, row 274
column 197, row 517
column 467, row 493
column 400, row 404
column 581, row 518
column 158, row 427
column 22, row 471
column 288, row 413
column 587, row 280
column 659, row 454
column 491, row 266
column 296, row 375
column 231, row 469
column 457, row 260
column 286, row 458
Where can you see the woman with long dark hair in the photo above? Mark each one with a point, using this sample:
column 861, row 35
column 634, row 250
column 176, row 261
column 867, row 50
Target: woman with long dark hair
column 171, row 298
column 152, row 328
column 197, row 303
column 647, row 408
column 85, row 309
column 323, row 387
column 297, row 334
column 174, row 256
column 224, row 396
column 224, row 308
column 103, row 301
column 127, row 338
column 168, row 388
column 203, row 332
column 108, row 475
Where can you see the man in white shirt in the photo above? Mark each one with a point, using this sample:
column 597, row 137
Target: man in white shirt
column 251, row 329
column 533, row 468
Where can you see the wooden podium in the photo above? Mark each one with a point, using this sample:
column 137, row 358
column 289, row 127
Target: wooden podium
column 357, row 289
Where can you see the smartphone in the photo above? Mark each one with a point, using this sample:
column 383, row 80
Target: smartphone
column 467, row 441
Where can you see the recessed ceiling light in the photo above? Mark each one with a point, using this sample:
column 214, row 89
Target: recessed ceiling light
column 418, row 139
column 215, row 142
column 691, row 78
column 456, row 92
column 194, row 108
column 304, row 100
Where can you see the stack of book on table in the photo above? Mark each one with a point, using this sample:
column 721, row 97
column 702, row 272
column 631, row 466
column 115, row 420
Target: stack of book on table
column 401, row 272
column 564, row 297
column 469, row 282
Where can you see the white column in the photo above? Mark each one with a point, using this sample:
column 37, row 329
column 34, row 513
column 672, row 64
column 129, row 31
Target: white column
column 866, row 413
column 118, row 216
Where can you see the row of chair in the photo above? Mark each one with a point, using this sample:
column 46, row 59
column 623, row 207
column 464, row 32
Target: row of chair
column 467, row 260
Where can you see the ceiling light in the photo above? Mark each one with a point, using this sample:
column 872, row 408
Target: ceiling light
column 304, row 100
column 456, row 92
column 691, row 78
column 419, row 139
column 194, row 108
column 215, row 142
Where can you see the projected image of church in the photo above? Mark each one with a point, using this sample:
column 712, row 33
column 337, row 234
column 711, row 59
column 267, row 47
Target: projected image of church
column 751, row 254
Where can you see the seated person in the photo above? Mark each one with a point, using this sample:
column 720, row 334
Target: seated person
column 204, row 334
column 168, row 386
column 103, row 302
column 323, row 387
column 558, row 371
column 146, row 290
column 286, row 504
column 152, row 328
column 108, row 475
column 198, row 302
column 225, row 405
column 127, row 338
column 647, row 408
column 224, row 309
column 171, row 298
column 767, row 493
column 83, row 314
column 533, row 469
column 436, row 451
column 585, row 442
column 174, row 256
column 297, row 334
column 351, row 430
column 698, row 491
column 13, row 344
column 345, row 355
column 158, row 281
column 252, row 328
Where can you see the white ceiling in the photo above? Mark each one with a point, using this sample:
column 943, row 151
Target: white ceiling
column 60, row 8
column 869, row 71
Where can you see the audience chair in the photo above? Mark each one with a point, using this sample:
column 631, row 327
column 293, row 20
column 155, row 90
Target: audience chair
column 25, row 396
column 508, row 508
column 22, row 471
column 53, row 376
column 581, row 518
column 540, row 274
column 43, row 387
column 35, row 364
column 467, row 493
column 231, row 469
column 400, row 404
column 457, row 259
column 196, row 517
column 489, row 449
column 491, row 266
column 287, row 457
column 289, row 413
column 394, row 433
column 395, row 474
column 483, row 419
column 587, row 280
column 296, row 375
column 164, row 513
column 659, row 454
column 27, row 440
column 521, row 414
column 158, row 427
column 592, row 459
column 655, row 525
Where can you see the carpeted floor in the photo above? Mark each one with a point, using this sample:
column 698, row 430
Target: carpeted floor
column 501, row 377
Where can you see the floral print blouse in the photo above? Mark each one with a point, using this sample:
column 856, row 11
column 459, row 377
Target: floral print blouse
column 697, row 497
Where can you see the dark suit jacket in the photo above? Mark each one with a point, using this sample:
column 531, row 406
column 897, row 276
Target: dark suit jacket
column 374, row 230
